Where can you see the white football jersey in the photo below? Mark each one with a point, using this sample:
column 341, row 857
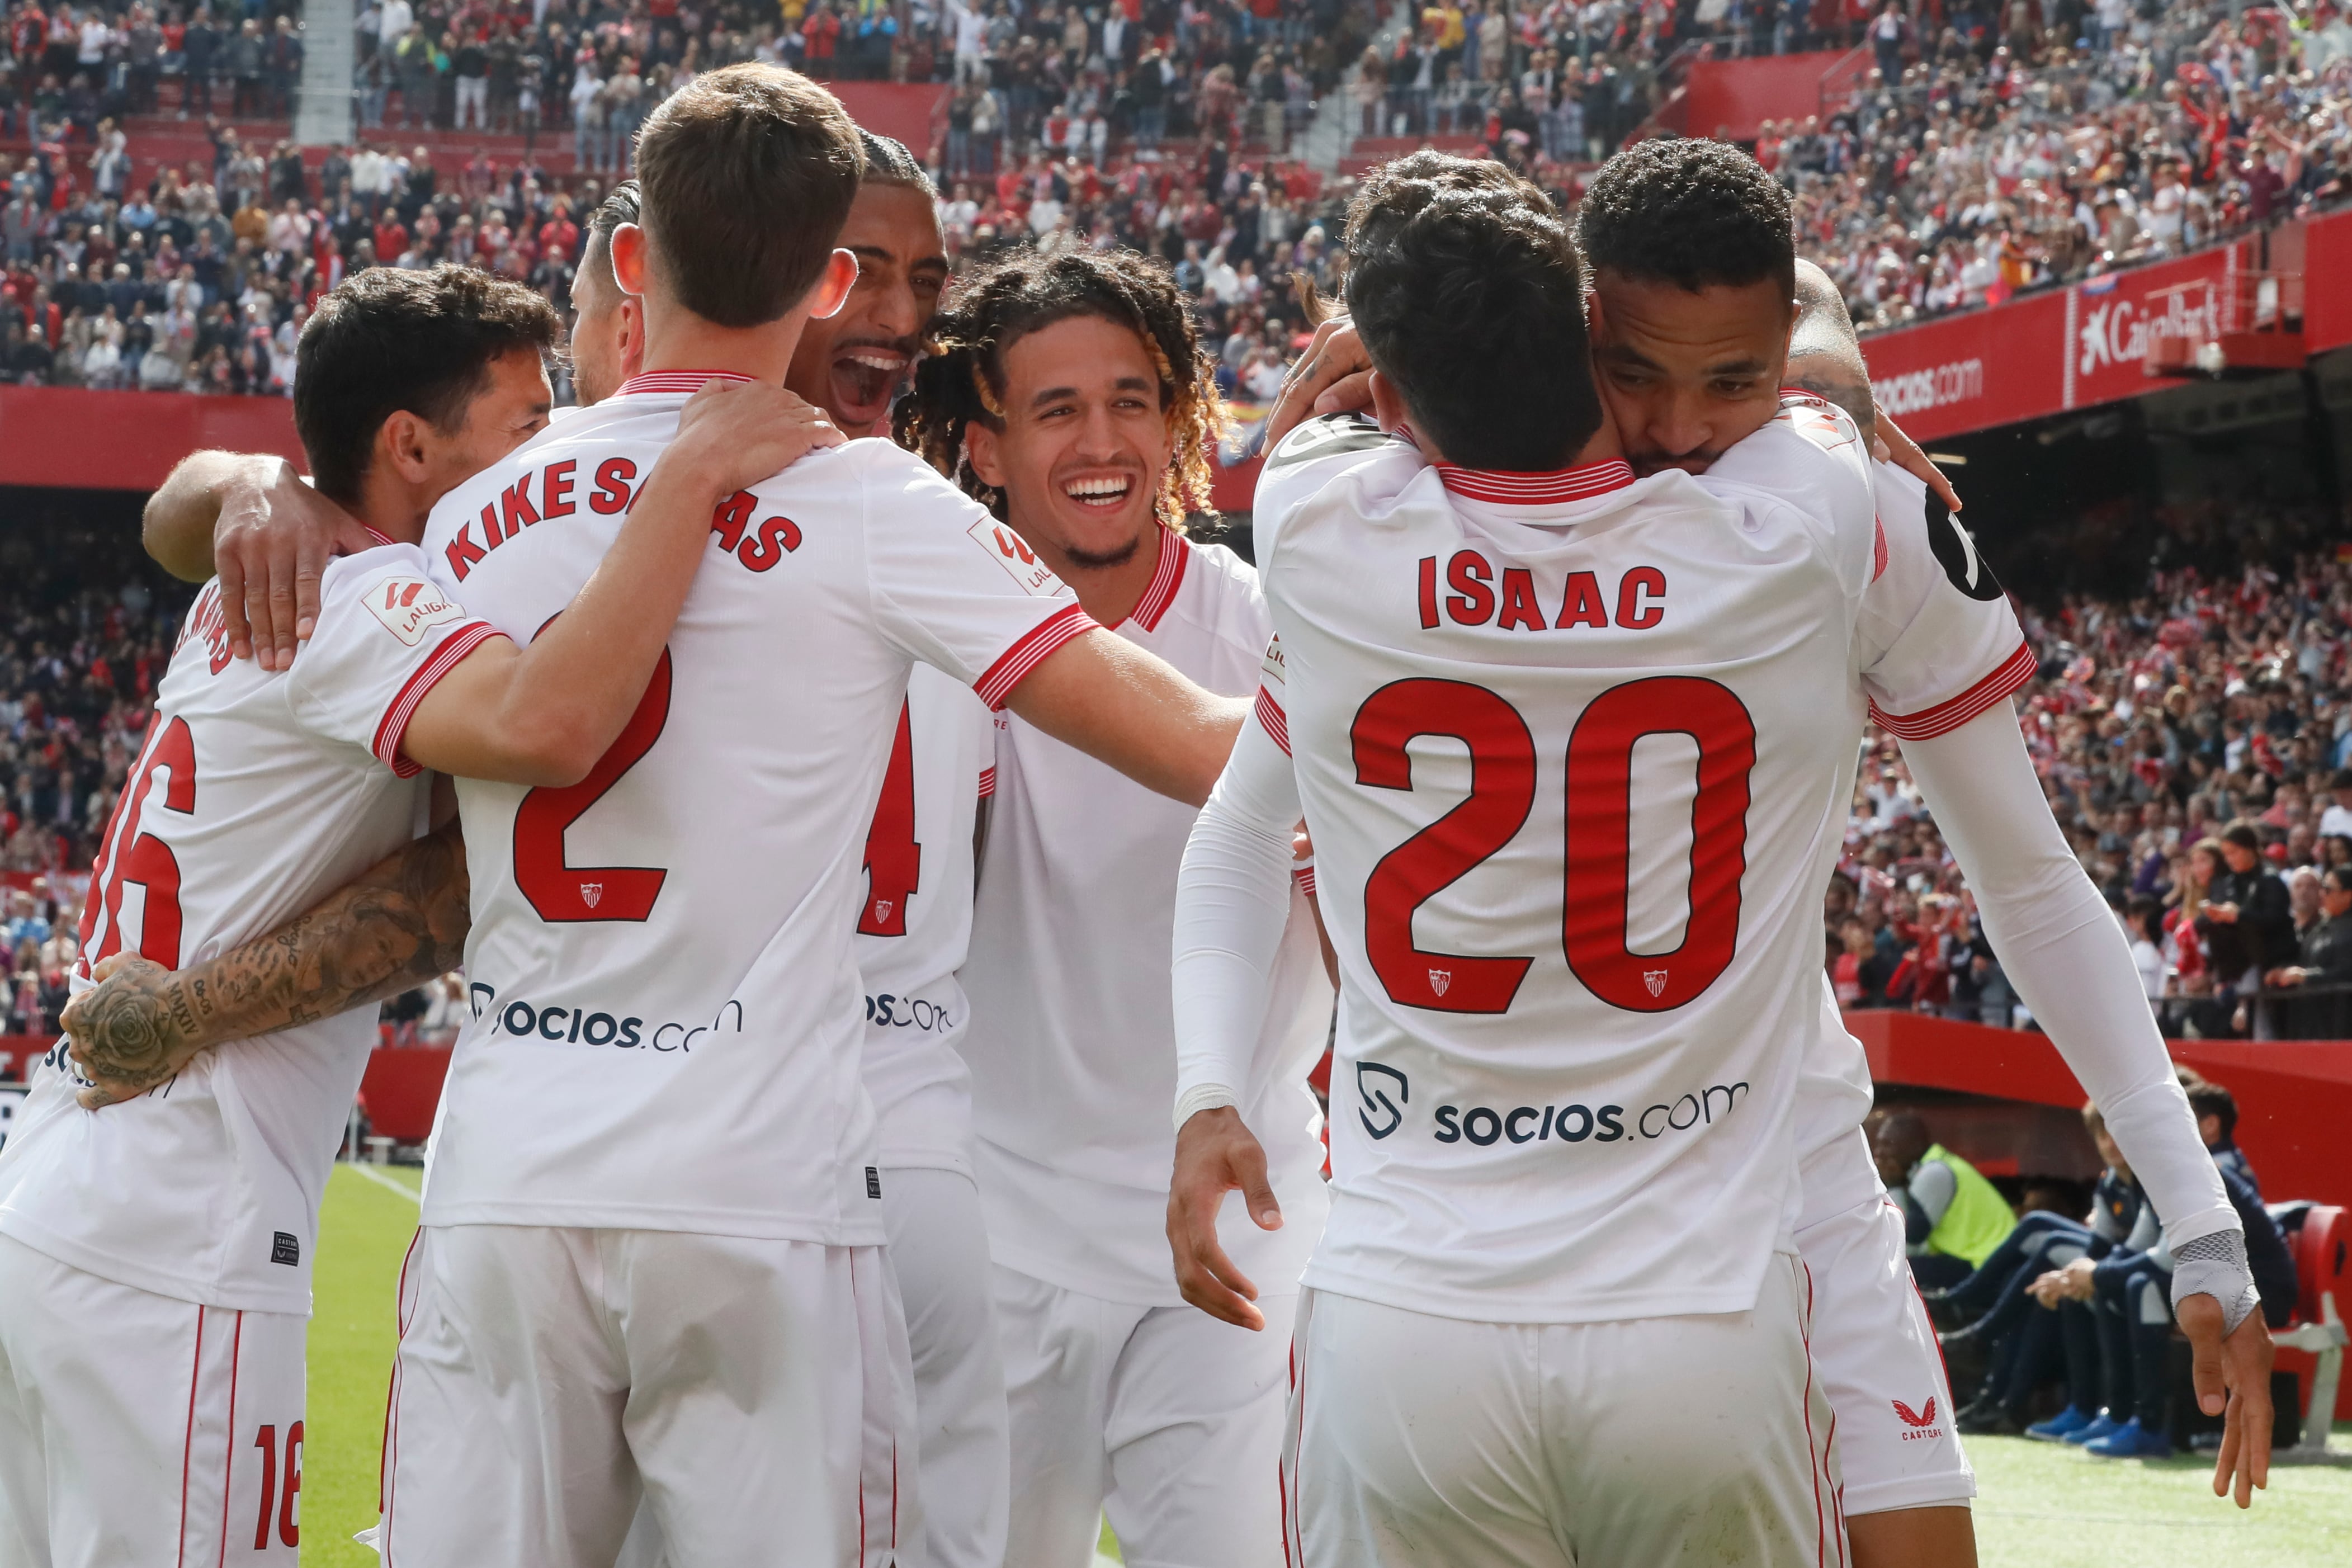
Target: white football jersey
column 255, row 796
column 1073, row 1038
column 667, row 1013
column 915, row 925
column 1569, row 746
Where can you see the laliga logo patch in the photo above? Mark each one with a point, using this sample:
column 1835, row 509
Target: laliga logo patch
column 1273, row 669
column 592, row 893
column 1010, row 550
column 409, row 608
column 1655, row 978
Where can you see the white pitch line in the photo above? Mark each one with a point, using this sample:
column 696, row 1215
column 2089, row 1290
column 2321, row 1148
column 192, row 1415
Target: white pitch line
column 381, row 1179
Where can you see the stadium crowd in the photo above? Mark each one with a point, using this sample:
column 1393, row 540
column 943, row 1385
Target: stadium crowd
column 86, row 628
column 2193, row 741
column 1989, row 152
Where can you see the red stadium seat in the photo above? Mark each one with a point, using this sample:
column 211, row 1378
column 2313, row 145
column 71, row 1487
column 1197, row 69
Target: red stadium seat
column 2323, row 1266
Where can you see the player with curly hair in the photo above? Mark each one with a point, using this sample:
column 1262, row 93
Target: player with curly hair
column 1069, row 394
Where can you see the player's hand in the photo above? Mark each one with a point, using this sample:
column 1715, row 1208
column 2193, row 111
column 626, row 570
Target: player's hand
column 272, row 541
column 1333, row 376
column 2049, row 1289
column 130, row 1033
column 1904, row 454
column 2233, row 1381
column 1214, row 1154
column 737, row 432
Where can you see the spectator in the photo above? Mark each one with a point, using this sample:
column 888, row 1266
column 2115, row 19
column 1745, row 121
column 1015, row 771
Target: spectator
column 2216, row 1109
column 2326, row 964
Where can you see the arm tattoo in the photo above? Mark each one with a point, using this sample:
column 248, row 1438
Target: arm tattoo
column 401, row 923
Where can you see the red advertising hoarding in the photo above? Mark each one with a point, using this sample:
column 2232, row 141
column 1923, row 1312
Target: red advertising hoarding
column 2046, row 354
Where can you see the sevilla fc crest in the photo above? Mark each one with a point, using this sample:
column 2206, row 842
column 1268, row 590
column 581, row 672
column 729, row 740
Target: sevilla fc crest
column 882, row 909
column 1439, row 979
column 592, row 893
column 1655, row 978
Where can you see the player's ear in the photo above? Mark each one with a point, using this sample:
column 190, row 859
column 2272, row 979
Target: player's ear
column 979, row 449
column 1388, row 404
column 629, row 264
column 832, row 291
column 631, row 334
column 402, row 446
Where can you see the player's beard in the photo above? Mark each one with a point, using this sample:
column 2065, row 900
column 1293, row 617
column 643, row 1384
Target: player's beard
column 1103, row 560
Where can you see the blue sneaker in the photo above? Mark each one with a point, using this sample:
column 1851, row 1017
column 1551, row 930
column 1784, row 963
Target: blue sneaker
column 2060, row 1426
column 2099, row 1428
column 2131, row 1441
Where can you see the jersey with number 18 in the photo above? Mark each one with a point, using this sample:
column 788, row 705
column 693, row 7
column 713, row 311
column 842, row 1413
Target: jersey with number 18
column 1569, row 745
column 667, row 1013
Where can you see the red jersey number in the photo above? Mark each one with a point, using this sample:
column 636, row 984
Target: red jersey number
column 894, row 861
column 134, row 855
column 1597, row 829
column 563, row 893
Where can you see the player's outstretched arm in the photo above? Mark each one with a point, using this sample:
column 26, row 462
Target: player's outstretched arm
column 544, row 714
column 2060, row 945
column 400, row 923
column 1129, row 709
column 1233, row 902
column 251, row 520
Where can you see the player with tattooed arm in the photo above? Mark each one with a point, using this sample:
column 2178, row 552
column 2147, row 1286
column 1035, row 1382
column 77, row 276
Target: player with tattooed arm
column 155, row 1256
column 687, row 968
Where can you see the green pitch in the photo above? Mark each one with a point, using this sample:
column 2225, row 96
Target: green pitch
column 2040, row 1505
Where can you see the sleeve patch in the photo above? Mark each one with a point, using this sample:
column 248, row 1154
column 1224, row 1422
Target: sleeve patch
column 1273, row 669
column 1818, row 422
column 1326, row 435
column 409, row 608
column 1956, row 551
column 1021, row 563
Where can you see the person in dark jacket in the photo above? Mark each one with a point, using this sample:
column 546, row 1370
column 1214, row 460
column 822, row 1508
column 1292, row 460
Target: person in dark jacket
column 2324, row 968
column 2248, row 921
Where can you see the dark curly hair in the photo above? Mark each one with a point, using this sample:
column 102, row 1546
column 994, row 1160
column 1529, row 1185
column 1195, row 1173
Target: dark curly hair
column 384, row 340
column 962, row 379
column 1465, row 285
column 1691, row 213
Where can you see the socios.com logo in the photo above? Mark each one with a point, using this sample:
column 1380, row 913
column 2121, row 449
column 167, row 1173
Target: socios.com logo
column 1379, row 1114
column 1483, row 1124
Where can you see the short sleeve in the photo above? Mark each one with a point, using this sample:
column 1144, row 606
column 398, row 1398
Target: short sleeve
column 1270, row 712
column 953, row 587
column 1812, row 459
column 385, row 633
column 1940, row 644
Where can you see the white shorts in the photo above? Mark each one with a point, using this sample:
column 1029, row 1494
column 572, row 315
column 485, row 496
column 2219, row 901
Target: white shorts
column 1427, row 1442
column 137, row 1429
column 1162, row 1419
column 754, row 1392
column 1880, row 1367
column 939, row 1250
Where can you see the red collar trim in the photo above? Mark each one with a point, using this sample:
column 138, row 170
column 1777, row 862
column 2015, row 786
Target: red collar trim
column 372, row 533
column 1580, row 483
column 1166, row 578
column 673, row 381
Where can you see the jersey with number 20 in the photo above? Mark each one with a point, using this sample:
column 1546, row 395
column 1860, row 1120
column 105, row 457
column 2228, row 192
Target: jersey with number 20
column 1569, row 746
